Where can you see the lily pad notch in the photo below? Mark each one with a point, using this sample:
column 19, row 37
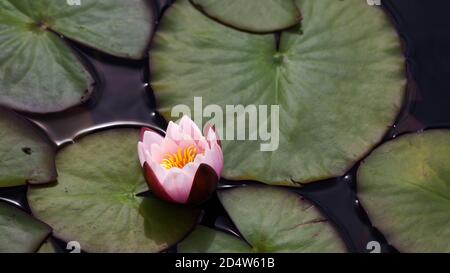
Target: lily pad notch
column 97, row 204
column 339, row 83
column 270, row 220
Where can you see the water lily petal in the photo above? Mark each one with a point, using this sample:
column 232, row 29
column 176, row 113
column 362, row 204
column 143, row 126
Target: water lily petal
column 155, row 184
column 190, row 169
column 178, row 185
column 190, row 128
column 156, row 153
column 204, row 184
column 173, row 132
column 211, row 135
column 141, row 153
column 199, row 159
column 214, row 158
column 144, row 154
column 149, row 137
column 168, row 146
column 202, row 145
column 186, row 141
column 159, row 170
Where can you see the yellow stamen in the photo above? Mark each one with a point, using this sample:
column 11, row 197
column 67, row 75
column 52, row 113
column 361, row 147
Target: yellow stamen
column 180, row 159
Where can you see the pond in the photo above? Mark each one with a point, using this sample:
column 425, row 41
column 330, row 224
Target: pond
column 123, row 97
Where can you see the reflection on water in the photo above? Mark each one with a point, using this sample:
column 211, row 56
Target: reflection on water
column 122, row 96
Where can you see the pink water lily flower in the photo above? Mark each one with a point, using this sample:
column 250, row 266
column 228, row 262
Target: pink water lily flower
column 184, row 166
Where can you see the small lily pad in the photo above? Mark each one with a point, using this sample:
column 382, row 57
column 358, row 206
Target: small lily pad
column 19, row 232
column 252, row 15
column 405, row 187
column 27, row 156
column 338, row 80
column 95, row 202
column 270, row 220
column 39, row 72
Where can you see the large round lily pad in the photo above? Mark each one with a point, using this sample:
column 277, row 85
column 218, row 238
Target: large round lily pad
column 270, row 220
column 252, row 15
column 338, row 81
column 405, row 187
column 39, row 72
column 95, row 202
column 19, row 232
column 26, row 154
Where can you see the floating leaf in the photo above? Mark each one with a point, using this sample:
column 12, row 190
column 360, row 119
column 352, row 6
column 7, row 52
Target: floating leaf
column 95, row 202
column 19, row 232
column 339, row 82
column 206, row 240
column 270, row 220
column 47, row 247
column 405, row 187
column 26, row 154
column 252, row 15
column 39, row 72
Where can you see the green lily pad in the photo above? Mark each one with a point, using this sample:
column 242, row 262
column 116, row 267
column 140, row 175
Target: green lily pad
column 47, row 247
column 207, row 240
column 405, row 187
column 27, row 156
column 339, row 83
column 39, row 72
column 270, row 220
column 19, row 232
column 95, row 202
column 252, row 15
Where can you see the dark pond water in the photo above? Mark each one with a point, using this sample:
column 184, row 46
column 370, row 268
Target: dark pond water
column 124, row 97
